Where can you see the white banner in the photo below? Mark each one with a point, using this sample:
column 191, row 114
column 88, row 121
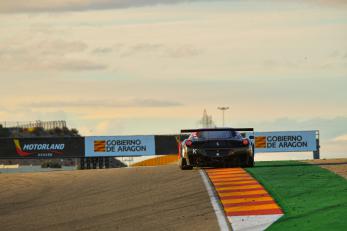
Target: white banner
column 286, row 141
column 119, row 146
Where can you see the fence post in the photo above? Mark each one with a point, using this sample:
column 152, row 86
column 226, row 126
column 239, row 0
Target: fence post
column 316, row 154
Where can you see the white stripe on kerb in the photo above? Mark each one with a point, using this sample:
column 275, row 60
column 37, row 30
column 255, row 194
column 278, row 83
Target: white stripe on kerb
column 254, row 222
column 222, row 220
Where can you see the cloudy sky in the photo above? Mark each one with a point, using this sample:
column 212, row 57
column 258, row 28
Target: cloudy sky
column 152, row 66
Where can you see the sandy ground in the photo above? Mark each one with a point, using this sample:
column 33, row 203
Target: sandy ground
column 339, row 166
column 142, row 198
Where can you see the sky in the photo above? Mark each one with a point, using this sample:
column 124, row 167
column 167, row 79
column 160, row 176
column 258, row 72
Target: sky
column 123, row 67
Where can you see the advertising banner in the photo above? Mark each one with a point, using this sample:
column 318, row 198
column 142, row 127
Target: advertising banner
column 119, row 146
column 57, row 147
column 285, row 141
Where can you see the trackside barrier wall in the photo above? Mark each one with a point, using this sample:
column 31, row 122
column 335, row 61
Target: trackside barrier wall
column 74, row 147
column 288, row 141
column 113, row 146
column 97, row 146
column 167, row 144
column 36, row 148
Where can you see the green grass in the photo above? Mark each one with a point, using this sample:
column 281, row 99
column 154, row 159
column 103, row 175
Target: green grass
column 312, row 198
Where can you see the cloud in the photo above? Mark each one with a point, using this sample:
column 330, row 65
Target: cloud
column 157, row 49
column 105, row 103
column 102, row 50
column 54, row 47
column 56, row 54
column 15, row 6
column 44, row 47
column 73, row 65
column 140, row 48
column 183, row 51
column 19, row 6
column 342, row 138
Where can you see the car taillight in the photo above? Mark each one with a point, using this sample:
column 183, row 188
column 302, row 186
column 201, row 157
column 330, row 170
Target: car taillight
column 189, row 143
column 245, row 142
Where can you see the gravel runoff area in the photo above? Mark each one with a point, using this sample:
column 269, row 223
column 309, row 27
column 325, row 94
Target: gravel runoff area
column 140, row 198
column 338, row 166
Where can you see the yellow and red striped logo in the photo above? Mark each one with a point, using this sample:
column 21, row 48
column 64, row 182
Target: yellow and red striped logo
column 260, row 141
column 99, row 145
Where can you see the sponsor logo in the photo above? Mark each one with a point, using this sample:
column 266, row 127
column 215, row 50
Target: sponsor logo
column 260, row 142
column 134, row 145
column 280, row 142
column 99, row 145
column 39, row 149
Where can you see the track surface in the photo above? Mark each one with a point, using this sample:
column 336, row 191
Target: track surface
column 144, row 198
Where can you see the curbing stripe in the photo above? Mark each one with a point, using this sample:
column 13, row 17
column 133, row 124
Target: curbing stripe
column 244, row 193
column 240, row 190
column 241, row 200
column 256, row 212
column 246, row 203
column 258, row 195
column 237, row 184
column 224, row 225
column 226, row 205
column 232, row 181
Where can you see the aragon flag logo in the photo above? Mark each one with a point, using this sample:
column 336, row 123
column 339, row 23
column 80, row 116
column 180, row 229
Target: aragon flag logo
column 99, row 145
column 19, row 149
column 260, row 141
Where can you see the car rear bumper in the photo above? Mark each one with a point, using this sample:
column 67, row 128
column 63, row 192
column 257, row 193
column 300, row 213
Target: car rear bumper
column 205, row 157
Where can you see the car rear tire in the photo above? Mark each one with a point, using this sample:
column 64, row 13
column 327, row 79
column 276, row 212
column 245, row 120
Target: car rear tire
column 182, row 163
column 250, row 161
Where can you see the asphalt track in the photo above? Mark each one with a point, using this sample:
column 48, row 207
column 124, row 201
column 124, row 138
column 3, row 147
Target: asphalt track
column 141, row 198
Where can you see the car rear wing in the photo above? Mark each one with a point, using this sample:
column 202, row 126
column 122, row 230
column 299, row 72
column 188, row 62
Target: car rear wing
column 217, row 129
column 242, row 130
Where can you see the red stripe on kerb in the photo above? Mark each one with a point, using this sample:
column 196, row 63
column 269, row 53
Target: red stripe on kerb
column 228, row 205
column 229, row 175
column 245, row 196
column 255, row 212
column 225, row 174
column 232, row 181
column 235, row 185
column 240, row 190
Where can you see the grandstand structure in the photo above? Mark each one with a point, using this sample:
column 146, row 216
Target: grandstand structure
column 47, row 125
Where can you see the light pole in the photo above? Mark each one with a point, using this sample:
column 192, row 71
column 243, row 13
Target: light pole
column 223, row 109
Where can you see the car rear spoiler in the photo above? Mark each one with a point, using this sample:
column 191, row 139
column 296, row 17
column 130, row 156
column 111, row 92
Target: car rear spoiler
column 217, row 129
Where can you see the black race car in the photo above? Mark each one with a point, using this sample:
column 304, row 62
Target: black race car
column 209, row 147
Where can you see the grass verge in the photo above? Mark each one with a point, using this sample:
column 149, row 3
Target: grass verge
column 312, row 198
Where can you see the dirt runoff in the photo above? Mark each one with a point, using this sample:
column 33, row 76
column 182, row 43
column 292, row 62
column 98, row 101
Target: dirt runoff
column 338, row 166
column 140, row 198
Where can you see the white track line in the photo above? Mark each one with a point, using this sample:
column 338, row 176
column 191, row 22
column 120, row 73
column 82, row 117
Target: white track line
column 224, row 224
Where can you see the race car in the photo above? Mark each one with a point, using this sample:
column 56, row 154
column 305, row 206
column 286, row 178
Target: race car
column 212, row 147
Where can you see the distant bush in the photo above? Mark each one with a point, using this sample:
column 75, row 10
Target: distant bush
column 4, row 132
column 51, row 164
column 38, row 132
